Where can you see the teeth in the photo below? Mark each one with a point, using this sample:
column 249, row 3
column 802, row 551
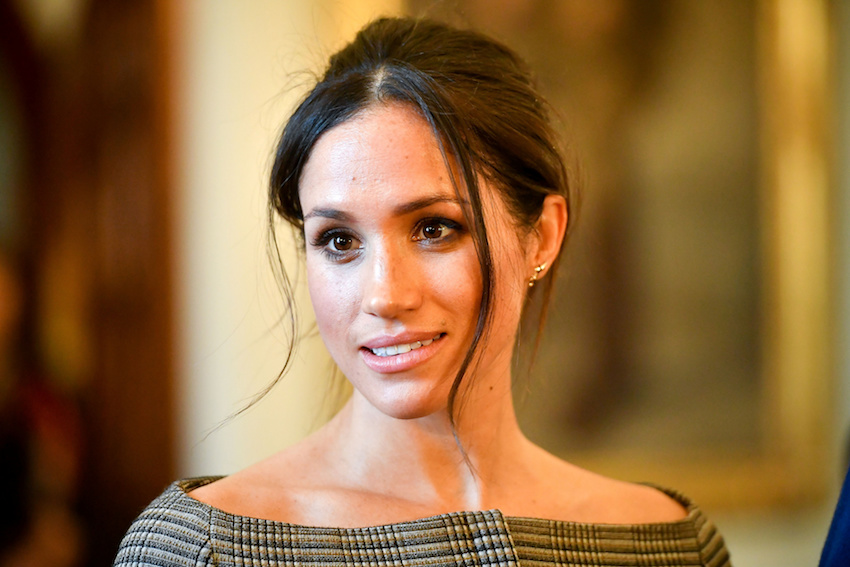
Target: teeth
column 401, row 349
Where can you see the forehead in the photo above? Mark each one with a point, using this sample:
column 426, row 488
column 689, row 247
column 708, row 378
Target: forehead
column 385, row 147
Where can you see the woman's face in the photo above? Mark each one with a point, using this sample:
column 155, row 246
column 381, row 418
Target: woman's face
column 391, row 266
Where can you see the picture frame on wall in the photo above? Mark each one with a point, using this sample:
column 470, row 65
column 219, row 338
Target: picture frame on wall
column 690, row 337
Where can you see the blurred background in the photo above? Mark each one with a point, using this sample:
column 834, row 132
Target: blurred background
column 699, row 336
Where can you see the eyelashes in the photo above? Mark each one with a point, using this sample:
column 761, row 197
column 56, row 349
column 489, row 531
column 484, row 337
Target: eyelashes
column 336, row 243
column 433, row 230
column 341, row 244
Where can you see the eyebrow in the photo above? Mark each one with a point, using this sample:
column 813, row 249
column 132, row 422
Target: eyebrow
column 328, row 214
column 402, row 209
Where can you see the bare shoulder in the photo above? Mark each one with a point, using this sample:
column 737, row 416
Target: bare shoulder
column 585, row 496
column 271, row 489
column 641, row 504
column 245, row 493
column 219, row 492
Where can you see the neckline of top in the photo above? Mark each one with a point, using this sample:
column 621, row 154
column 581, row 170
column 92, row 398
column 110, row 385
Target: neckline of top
column 185, row 486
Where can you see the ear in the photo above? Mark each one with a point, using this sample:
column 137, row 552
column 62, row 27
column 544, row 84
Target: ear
column 550, row 230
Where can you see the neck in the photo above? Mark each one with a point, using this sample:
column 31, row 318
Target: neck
column 426, row 459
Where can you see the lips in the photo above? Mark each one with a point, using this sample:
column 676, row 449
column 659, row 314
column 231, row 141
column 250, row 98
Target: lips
column 393, row 350
column 388, row 355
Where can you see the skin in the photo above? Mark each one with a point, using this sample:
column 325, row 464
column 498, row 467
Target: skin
column 389, row 261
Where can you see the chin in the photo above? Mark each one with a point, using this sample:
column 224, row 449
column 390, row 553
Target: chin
column 406, row 405
column 414, row 412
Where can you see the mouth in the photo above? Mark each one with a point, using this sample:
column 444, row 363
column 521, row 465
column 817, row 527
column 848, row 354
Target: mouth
column 394, row 350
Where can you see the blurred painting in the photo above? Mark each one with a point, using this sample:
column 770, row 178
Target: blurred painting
column 653, row 355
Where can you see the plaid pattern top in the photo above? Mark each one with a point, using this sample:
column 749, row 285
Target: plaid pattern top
column 177, row 530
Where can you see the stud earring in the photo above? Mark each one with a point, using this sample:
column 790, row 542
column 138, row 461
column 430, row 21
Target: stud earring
column 536, row 273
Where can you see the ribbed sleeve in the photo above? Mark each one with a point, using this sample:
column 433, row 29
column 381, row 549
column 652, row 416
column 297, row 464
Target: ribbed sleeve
column 173, row 531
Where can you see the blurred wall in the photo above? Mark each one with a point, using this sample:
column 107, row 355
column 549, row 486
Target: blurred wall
column 792, row 538
column 242, row 66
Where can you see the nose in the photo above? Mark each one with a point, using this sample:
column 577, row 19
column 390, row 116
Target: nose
column 391, row 284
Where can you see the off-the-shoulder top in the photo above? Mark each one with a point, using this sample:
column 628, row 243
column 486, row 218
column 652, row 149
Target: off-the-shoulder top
column 177, row 530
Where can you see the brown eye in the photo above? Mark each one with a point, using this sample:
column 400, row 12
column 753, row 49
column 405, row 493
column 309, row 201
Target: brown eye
column 342, row 242
column 432, row 230
column 435, row 231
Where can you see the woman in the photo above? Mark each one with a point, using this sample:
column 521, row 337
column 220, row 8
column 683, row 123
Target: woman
column 424, row 177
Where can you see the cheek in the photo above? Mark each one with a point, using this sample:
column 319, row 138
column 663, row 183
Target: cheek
column 335, row 300
column 456, row 281
column 511, row 280
column 511, row 246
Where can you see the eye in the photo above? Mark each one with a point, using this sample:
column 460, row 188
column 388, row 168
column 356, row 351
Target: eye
column 336, row 244
column 437, row 230
column 432, row 230
column 342, row 242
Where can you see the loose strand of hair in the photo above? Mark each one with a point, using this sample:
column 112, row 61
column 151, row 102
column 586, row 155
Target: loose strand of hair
column 289, row 314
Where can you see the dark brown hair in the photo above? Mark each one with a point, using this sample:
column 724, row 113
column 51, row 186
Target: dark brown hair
column 487, row 116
